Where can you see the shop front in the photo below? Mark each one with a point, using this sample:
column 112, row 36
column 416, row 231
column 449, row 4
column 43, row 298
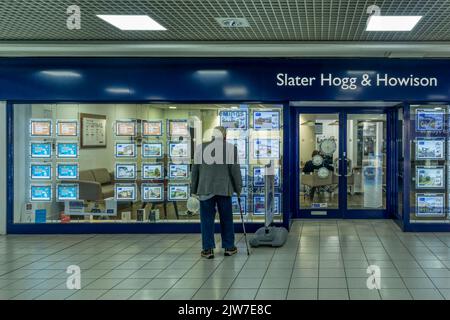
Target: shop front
column 105, row 145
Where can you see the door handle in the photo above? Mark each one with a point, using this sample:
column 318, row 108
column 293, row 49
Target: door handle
column 347, row 161
column 336, row 167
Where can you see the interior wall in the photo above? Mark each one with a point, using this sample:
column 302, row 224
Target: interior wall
column 307, row 140
column 3, row 168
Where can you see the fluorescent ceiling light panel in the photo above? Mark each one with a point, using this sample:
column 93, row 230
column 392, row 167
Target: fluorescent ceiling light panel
column 392, row 23
column 132, row 22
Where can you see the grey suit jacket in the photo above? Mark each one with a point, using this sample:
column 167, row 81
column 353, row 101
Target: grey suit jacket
column 221, row 177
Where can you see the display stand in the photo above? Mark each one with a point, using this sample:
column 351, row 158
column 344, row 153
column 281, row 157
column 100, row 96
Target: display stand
column 269, row 235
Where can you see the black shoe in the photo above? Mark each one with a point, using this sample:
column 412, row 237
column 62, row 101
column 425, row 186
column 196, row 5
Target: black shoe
column 208, row 254
column 230, row 251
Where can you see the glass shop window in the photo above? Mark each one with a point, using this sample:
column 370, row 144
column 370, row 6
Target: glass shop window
column 429, row 200
column 114, row 163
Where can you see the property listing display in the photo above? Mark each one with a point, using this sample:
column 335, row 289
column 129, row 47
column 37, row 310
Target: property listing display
column 256, row 134
column 430, row 163
column 53, row 154
column 104, row 168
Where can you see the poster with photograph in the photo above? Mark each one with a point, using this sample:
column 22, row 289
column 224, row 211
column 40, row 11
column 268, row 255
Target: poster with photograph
column 152, row 192
column 66, row 192
column 266, row 148
column 67, row 128
column 125, row 150
column 429, row 120
column 235, row 205
column 179, row 149
column 67, row 171
column 241, row 146
column 93, row 130
column 428, row 177
column 430, row 149
column 41, row 192
column 259, row 205
column 66, row 150
column 178, row 128
column 126, row 128
column 125, row 171
column 40, row 150
column 244, row 175
column 430, row 205
column 41, row 171
column 152, row 171
column 178, row 171
column 178, row 192
column 152, row 128
column 152, row 150
column 234, row 119
column 259, row 176
column 125, row 191
column 266, row 120
column 40, row 128
column 277, row 204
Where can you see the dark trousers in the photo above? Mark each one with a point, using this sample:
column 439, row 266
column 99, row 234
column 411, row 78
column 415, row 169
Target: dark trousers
column 207, row 217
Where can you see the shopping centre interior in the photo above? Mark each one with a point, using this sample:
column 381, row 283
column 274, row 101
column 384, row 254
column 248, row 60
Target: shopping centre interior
column 339, row 113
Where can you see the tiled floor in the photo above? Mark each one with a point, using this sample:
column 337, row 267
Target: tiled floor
column 321, row 260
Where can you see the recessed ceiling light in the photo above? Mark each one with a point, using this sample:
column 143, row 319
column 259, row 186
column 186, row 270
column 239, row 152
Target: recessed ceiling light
column 132, row 22
column 171, row 107
column 392, row 23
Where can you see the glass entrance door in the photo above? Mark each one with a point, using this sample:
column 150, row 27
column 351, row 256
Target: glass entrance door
column 342, row 163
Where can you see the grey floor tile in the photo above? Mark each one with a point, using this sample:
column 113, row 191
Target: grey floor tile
column 10, row 293
column 252, row 273
column 441, row 283
column 117, row 295
column 395, row 294
column 117, row 274
column 86, row 294
column 437, row 273
column 161, row 284
column 131, row 284
column 333, row 294
column 305, row 273
column 426, row 294
column 331, row 273
column 412, row 272
column 275, row 283
column 445, row 293
column 418, row 283
column 364, row 294
column 215, row 282
column 210, row 294
column 145, row 273
column 246, row 283
column 179, row 294
column 56, row 295
column 148, row 294
column 29, row 294
column 332, row 283
column 302, row 294
column 103, row 284
column 271, row 294
column 189, row 283
column 304, row 283
column 241, row 294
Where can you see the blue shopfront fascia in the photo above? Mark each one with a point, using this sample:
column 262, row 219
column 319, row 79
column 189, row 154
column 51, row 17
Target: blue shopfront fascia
column 218, row 80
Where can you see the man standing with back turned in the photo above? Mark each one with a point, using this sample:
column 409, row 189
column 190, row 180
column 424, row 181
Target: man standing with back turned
column 216, row 175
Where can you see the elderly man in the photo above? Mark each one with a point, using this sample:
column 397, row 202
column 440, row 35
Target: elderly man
column 216, row 175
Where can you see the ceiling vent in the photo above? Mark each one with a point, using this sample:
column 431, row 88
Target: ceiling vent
column 233, row 22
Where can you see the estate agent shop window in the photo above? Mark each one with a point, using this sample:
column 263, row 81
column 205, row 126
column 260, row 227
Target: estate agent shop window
column 113, row 163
